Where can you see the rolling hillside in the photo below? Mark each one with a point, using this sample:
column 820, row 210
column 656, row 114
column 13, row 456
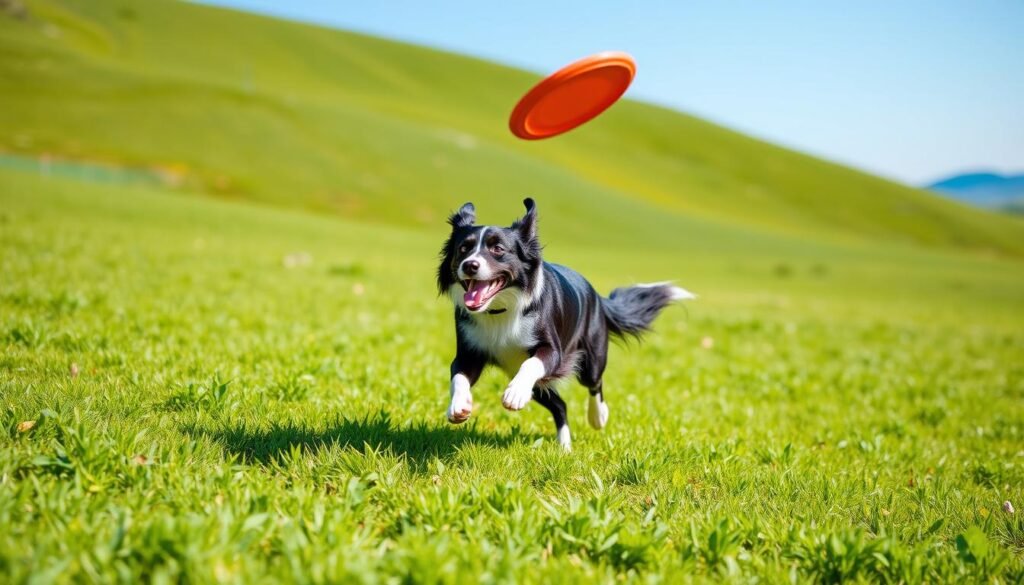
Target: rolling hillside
column 248, row 107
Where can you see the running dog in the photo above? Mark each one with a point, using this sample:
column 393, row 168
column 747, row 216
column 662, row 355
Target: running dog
column 540, row 322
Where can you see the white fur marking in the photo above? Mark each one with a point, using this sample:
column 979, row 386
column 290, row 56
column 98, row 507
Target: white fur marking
column 479, row 243
column 597, row 413
column 520, row 390
column 484, row 273
column 681, row 294
column 565, row 438
column 506, row 336
column 538, row 287
column 678, row 294
column 461, row 405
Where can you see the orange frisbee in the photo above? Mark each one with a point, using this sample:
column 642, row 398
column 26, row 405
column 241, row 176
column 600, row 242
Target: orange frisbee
column 572, row 96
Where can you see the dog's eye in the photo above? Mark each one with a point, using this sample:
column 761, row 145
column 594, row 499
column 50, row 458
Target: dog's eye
column 497, row 249
column 463, row 248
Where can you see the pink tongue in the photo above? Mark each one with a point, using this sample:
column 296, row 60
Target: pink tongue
column 474, row 297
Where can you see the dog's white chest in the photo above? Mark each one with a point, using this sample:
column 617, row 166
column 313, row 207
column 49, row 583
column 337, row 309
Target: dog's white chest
column 506, row 338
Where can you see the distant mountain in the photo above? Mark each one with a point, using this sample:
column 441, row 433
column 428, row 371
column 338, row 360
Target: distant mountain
column 984, row 189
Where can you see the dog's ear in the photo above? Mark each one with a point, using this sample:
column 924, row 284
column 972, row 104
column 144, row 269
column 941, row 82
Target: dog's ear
column 464, row 217
column 527, row 225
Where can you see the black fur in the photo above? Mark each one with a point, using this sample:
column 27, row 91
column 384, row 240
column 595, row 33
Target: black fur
column 631, row 310
column 567, row 323
column 462, row 222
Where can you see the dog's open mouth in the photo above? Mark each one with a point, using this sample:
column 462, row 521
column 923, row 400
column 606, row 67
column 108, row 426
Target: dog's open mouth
column 478, row 292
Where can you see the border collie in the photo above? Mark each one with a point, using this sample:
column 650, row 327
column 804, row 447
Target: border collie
column 541, row 323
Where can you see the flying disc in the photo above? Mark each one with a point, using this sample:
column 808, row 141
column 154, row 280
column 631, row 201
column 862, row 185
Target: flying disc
column 572, row 96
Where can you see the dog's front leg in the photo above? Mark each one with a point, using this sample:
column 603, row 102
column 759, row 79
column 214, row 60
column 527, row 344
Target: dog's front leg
column 461, row 405
column 465, row 373
column 544, row 362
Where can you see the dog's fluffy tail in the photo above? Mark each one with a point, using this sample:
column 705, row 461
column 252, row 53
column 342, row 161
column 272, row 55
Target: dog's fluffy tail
column 631, row 310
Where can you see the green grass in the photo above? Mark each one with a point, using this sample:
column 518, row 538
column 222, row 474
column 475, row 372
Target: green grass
column 260, row 396
column 222, row 357
column 247, row 107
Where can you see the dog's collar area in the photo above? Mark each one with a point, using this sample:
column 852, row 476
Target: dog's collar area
column 496, row 311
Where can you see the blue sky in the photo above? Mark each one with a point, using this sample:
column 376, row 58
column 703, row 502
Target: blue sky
column 908, row 89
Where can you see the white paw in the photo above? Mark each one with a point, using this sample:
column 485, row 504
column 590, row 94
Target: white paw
column 565, row 438
column 460, row 409
column 517, row 395
column 461, row 405
column 597, row 413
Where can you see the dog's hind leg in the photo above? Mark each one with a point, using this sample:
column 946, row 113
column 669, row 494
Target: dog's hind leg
column 590, row 375
column 597, row 408
column 549, row 399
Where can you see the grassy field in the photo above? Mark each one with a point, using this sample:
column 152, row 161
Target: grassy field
column 211, row 391
column 302, row 116
column 222, row 356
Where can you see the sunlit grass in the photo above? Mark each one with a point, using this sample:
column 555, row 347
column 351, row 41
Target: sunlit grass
column 203, row 391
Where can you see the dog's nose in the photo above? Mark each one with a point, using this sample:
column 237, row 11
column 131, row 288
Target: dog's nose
column 470, row 267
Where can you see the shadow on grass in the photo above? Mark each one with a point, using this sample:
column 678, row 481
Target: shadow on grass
column 418, row 442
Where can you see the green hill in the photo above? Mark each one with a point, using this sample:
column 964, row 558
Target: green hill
column 244, row 106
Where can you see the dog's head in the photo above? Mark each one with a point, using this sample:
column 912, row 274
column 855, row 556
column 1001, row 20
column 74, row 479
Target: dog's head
column 489, row 267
